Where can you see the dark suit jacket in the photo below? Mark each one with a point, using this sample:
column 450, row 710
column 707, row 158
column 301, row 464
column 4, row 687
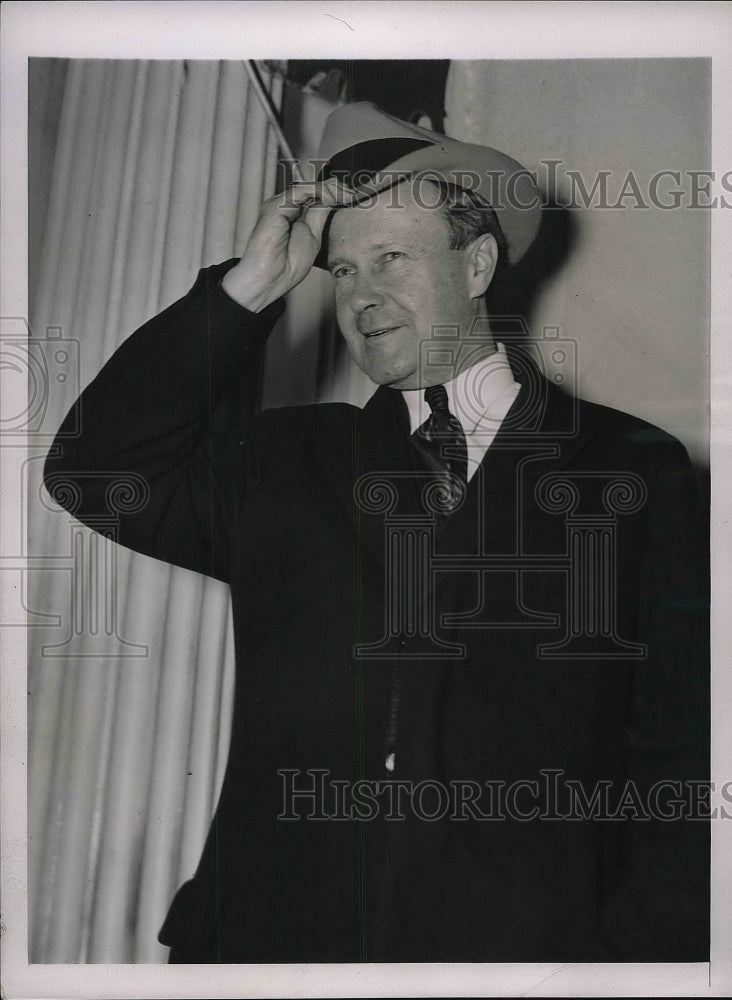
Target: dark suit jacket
column 553, row 631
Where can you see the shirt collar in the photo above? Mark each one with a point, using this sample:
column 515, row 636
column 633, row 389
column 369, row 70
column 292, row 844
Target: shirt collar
column 471, row 395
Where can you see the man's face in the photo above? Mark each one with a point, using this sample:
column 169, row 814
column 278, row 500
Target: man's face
column 396, row 278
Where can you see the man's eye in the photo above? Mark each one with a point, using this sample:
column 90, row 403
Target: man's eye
column 340, row 272
column 392, row 255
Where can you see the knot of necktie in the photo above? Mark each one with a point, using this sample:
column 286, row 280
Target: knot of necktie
column 441, row 445
column 436, row 398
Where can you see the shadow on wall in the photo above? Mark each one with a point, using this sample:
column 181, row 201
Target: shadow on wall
column 513, row 296
column 514, row 293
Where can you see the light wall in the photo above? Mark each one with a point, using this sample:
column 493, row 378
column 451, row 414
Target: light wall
column 631, row 285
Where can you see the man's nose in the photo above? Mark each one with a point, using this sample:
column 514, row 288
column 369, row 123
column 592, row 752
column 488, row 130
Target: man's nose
column 365, row 293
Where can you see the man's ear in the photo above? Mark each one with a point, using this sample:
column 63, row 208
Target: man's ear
column 482, row 262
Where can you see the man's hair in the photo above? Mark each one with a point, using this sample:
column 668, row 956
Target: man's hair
column 470, row 216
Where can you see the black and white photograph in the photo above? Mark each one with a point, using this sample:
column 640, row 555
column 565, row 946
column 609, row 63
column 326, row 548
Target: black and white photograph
column 364, row 550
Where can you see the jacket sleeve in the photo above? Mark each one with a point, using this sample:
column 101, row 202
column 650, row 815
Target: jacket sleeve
column 164, row 430
column 659, row 909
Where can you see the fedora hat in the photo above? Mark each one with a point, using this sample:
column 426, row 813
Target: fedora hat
column 366, row 149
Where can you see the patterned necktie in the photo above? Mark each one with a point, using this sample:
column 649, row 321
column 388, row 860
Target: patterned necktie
column 443, row 450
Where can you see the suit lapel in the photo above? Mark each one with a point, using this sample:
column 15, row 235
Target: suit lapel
column 386, row 468
column 369, row 468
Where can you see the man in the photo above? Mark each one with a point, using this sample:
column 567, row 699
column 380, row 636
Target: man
column 470, row 641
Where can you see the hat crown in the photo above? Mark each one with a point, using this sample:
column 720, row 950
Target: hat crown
column 361, row 122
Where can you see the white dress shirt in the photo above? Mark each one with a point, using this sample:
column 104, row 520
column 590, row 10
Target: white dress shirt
column 480, row 397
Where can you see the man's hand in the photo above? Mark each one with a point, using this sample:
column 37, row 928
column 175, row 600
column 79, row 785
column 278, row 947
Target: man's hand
column 284, row 243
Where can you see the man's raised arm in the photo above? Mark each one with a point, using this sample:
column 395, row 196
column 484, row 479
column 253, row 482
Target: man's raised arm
column 174, row 405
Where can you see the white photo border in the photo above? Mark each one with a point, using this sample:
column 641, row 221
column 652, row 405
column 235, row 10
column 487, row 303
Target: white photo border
column 358, row 30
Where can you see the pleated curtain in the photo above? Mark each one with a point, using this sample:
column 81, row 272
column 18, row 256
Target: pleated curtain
column 160, row 168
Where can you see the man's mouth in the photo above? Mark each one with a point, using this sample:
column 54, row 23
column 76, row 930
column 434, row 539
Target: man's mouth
column 370, row 334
